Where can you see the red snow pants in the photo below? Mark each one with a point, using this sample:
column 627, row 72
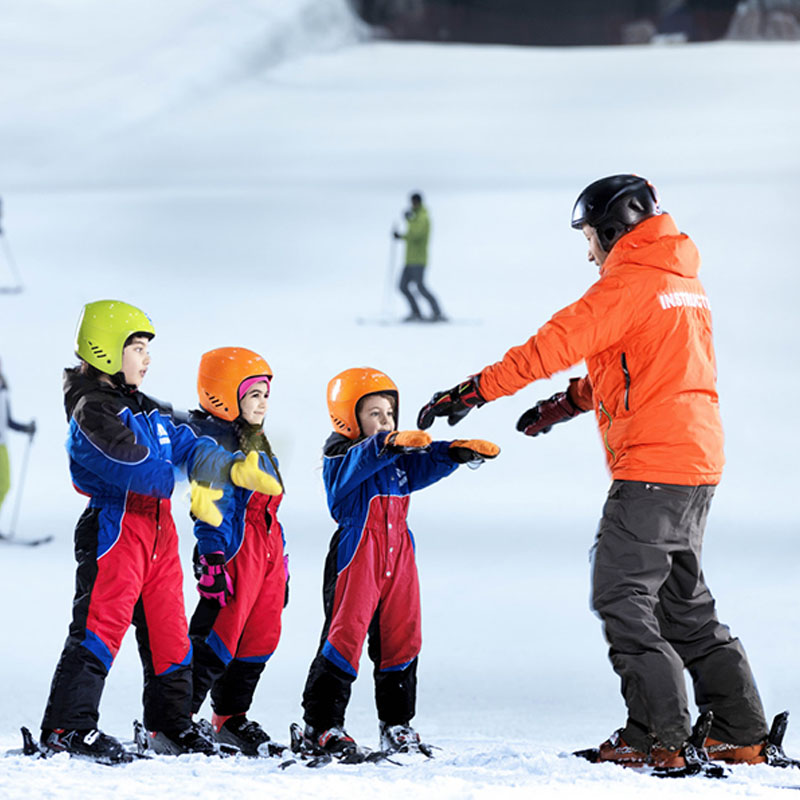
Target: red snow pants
column 137, row 578
column 233, row 643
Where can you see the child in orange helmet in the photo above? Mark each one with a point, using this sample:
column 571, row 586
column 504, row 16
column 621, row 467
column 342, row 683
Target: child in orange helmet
column 241, row 567
column 371, row 587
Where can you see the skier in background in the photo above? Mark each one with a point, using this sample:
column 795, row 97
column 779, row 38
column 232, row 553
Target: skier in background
column 371, row 587
column 644, row 330
column 7, row 422
column 416, row 237
column 242, row 569
column 123, row 449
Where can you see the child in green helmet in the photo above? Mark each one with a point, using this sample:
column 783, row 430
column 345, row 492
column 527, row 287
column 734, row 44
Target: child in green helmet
column 123, row 448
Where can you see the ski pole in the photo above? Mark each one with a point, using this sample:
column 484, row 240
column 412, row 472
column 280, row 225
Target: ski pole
column 388, row 289
column 12, row 264
column 23, row 472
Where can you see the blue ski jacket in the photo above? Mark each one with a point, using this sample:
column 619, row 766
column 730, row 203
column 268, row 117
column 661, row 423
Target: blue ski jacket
column 122, row 442
column 228, row 537
column 359, row 478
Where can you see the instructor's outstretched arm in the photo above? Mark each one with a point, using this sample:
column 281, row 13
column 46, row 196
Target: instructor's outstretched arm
column 454, row 404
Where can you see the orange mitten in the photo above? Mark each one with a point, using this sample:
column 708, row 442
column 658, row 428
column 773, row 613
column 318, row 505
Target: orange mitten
column 408, row 440
column 465, row 451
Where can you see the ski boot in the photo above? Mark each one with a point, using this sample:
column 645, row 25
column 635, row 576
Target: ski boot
column 92, row 744
column 320, row 746
column 764, row 752
column 402, row 739
column 694, row 756
column 172, row 742
column 660, row 761
column 246, row 735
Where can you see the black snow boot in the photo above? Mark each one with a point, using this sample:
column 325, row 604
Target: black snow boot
column 178, row 743
column 93, row 744
column 402, row 739
column 247, row 735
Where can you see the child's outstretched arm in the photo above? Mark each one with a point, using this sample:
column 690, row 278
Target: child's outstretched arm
column 345, row 470
column 101, row 443
column 200, row 455
column 443, row 458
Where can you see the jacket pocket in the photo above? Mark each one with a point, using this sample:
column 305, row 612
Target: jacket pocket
column 627, row 376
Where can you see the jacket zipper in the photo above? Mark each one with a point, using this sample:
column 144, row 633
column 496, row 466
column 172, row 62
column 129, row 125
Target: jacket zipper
column 627, row 380
column 604, row 410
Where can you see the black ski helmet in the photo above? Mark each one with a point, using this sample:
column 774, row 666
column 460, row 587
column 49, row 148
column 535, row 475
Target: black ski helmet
column 615, row 205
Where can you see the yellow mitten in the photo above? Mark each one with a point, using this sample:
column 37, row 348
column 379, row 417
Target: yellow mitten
column 408, row 440
column 249, row 475
column 465, row 451
column 202, row 505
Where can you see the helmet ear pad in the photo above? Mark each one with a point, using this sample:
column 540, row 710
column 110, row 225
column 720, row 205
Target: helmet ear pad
column 609, row 231
column 623, row 217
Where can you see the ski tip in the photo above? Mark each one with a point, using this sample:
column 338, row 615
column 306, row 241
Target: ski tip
column 591, row 754
column 29, row 746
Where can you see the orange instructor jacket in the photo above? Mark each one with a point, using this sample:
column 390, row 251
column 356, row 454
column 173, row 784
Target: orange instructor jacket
column 644, row 331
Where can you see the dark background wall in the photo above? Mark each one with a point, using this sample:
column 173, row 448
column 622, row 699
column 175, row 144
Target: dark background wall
column 544, row 22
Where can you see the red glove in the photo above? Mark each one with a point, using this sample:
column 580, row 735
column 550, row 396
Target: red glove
column 546, row 413
column 454, row 404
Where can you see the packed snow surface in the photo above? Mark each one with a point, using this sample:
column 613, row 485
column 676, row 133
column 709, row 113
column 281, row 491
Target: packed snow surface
column 236, row 170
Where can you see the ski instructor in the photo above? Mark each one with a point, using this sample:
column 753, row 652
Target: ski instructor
column 644, row 330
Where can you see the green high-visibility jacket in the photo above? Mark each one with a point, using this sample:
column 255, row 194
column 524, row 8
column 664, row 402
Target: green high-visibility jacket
column 416, row 236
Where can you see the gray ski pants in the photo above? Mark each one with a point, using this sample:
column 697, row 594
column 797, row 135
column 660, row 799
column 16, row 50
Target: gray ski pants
column 659, row 619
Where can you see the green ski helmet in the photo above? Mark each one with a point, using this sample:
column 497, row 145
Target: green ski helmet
column 103, row 328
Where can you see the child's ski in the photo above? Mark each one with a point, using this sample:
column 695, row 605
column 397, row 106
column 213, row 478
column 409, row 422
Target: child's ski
column 30, row 747
column 311, row 755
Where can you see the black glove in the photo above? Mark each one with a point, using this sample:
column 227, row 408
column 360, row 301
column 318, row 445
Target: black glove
column 454, row 404
column 546, row 413
column 397, row 235
column 214, row 583
column 30, row 428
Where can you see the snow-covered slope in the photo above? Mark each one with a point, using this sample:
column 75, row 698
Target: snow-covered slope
column 178, row 160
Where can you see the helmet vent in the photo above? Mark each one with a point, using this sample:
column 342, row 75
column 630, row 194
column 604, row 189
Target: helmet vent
column 98, row 352
column 214, row 400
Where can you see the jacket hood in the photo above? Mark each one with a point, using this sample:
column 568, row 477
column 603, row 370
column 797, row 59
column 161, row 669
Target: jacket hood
column 657, row 243
column 76, row 385
column 337, row 444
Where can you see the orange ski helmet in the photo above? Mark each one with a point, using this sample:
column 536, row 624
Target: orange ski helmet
column 221, row 374
column 347, row 388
